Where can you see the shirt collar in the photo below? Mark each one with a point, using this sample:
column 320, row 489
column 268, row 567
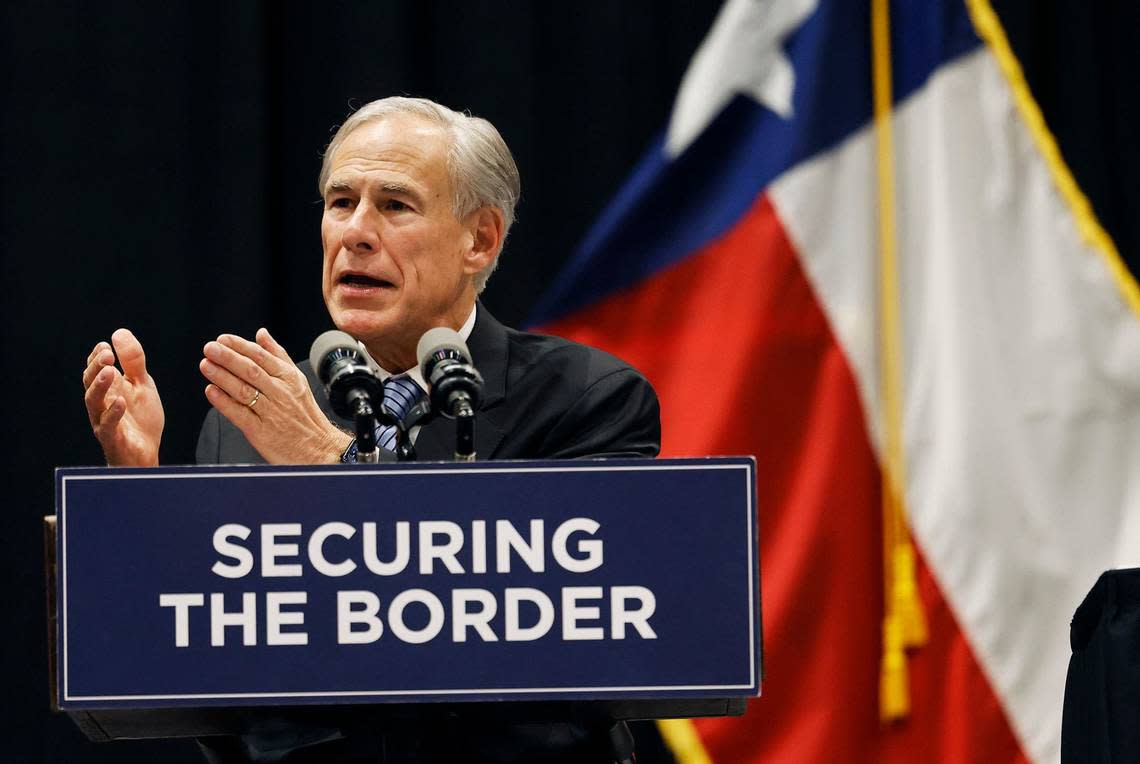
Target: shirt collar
column 414, row 373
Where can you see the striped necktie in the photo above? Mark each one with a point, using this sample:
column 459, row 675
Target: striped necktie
column 400, row 395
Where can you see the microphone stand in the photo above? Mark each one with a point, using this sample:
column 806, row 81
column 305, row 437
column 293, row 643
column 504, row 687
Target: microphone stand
column 454, row 384
column 365, row 419
column 423, row 413
column 405, row 451
column 464, row 430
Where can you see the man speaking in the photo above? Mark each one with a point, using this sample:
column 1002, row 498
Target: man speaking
column 418, row 201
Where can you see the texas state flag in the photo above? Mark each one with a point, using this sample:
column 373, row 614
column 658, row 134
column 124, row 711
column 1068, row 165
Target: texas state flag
column 741, row 268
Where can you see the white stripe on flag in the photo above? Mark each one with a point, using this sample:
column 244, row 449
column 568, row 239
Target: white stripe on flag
column 1022, row 372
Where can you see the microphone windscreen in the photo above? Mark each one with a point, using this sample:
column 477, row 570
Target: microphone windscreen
column 440, row 338
column 325, row 344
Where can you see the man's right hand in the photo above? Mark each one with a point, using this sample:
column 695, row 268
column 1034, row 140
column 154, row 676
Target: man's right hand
column 123, row 406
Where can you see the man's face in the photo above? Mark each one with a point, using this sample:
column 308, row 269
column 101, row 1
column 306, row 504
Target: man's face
column 397, row 261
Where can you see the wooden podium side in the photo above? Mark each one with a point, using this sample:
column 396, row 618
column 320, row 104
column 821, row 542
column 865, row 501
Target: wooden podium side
column 49, row 596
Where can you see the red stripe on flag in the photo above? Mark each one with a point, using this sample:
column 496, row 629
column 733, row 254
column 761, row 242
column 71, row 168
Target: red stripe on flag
column 744, row 361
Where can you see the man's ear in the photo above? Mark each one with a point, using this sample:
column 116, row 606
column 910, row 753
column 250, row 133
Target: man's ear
column 486, row 227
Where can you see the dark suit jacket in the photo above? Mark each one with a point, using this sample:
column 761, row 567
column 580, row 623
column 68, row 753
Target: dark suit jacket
column 544, row 398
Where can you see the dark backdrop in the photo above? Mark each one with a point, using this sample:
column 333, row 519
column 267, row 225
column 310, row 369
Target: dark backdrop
column 159, row 166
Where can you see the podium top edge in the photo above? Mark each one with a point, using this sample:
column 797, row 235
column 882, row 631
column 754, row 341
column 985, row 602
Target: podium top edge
column 507, row 465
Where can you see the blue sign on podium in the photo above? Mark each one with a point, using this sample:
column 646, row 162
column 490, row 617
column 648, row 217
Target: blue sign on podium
column 567, row 580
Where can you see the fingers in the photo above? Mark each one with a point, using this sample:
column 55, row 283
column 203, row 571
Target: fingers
column 100, row 347
column 240, row 368
column 110, row 418
column 98, row 359
column 229, row 384
column 95, row 397
column 242, row 416
column 265, row 340
column 273, row 363
column 130, row 352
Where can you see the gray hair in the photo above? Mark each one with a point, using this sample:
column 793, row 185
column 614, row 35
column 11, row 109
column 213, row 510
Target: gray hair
column 482, row 171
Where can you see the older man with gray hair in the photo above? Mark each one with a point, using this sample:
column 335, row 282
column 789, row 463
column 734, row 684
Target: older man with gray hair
column 418, row 201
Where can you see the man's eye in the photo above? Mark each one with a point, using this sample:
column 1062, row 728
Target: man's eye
column 341, row 203
column 395, row 205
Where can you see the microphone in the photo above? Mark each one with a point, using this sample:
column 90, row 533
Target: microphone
column 354, row 389
column 344, row 371
column 456, row 386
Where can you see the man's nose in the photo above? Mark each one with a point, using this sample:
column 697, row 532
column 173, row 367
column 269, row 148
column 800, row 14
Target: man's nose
column 361, row 235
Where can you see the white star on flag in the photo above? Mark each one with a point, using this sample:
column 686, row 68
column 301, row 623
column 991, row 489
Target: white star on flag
column 742, row 54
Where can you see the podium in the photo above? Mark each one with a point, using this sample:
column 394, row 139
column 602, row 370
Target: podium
column 200, row 601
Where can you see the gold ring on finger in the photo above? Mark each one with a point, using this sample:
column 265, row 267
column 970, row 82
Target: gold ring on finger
column 256, row 397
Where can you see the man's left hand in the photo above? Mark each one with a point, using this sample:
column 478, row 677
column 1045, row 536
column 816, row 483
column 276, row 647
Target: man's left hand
column 261, row 391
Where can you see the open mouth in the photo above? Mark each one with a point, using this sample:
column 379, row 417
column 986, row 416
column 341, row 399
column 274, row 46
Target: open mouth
column 360, row 281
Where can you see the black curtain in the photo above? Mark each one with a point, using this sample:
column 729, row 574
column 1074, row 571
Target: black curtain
column 159, row 166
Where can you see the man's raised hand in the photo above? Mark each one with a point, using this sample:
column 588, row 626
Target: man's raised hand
column 123, row 405
column 261, row 391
